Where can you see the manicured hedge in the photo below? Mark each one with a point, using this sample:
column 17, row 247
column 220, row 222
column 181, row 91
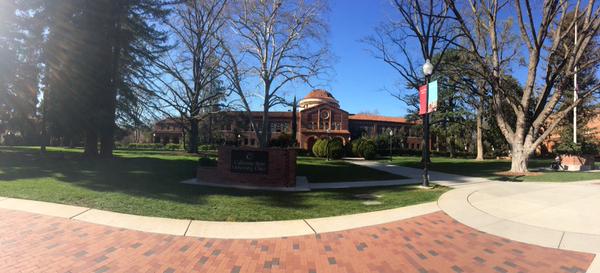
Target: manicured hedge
column 317, row 148
column 335, row 148
column 355, row 144
column 207, row 147
column 173, row 147
column 146, row 146
column 365, row 148
column 368, row 149
column 154, row 146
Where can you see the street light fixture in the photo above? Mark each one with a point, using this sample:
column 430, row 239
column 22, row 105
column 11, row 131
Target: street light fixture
column 427, row 70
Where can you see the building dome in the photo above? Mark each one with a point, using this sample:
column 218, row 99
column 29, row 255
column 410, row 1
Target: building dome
column 318, row 97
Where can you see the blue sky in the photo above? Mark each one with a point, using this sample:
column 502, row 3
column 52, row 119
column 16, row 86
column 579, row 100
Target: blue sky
column 359, row 80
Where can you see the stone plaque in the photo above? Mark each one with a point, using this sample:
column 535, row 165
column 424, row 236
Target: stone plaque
column 249, row 161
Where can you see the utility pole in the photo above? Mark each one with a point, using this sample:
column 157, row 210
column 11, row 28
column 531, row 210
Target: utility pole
column 575, row 95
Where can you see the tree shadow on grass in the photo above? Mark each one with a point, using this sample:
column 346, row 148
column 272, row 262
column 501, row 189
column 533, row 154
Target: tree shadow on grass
column 149, row 177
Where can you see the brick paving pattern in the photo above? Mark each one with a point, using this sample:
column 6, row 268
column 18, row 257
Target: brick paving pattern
column 429, row 243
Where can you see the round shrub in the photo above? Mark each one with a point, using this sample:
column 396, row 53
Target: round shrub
column 355, row 144
column 336, row 149
column 322, row 149
column 316, row 148
column 368, row 149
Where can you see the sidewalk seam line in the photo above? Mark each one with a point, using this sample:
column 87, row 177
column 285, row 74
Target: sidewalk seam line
column 88, row 209
column 310, row 226
column 187, row 228
column 561, row 239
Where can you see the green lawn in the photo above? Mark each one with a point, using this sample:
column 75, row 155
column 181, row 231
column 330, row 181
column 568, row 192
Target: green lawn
column 490, row 168
column 319, row 170
column 147, row 183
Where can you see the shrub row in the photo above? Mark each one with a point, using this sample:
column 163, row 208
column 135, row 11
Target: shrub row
column 153, row 146
column 207, row 147
column 334, row 147
column 364, row 148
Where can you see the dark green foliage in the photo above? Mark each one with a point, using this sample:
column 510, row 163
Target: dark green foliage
column 207, row 147
column 570, row 148
column 365, row 148
column 207, row 162
column 20, row 42
column 173, row 147
column 145, row 146
column 336, row 148
column 355, row 144
column 316, row 148
column 368, row 149
column 96, row 55
column 283, row 140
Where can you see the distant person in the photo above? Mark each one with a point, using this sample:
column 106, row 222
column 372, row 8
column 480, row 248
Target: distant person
column 556, row 164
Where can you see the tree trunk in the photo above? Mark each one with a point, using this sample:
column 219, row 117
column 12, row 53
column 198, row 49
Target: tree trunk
column 519, row 157
column 451, row 146
column 107, row 143
column 193, row 138
column 479, row 133
column 91, row 143
column 210, row 131
column 44, row 142
column 265, row 134
column 107, row 132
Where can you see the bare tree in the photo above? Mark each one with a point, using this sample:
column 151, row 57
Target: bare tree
column 274, row 43
column 527, row 117
column 422, row 23
column 188, row 79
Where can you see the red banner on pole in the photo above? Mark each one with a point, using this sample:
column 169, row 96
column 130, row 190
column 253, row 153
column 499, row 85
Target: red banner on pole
column 423, row 100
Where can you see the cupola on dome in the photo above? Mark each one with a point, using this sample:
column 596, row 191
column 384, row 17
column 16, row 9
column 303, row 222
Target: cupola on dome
column 318, row 97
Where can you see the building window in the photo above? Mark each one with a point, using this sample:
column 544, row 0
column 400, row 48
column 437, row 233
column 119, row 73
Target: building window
column 252, row 142
column 245, row 141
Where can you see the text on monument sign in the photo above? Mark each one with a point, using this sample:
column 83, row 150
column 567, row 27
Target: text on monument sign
column 249, row 161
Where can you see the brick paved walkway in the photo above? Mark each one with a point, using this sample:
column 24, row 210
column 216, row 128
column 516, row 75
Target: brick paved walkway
column 429, row 243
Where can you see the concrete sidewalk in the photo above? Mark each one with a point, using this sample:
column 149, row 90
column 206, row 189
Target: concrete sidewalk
column 415, row 175
column 555, row 215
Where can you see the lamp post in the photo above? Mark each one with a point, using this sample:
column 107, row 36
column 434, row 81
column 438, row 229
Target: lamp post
column 575, row 93
column 391, row 133
column 427, row 70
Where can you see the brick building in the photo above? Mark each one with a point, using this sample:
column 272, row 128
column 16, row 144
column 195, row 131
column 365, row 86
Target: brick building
column 319, row 116
column 591, row 133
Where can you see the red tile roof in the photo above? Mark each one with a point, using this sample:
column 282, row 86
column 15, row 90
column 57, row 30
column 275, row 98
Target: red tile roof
column 319, row 93
column 364, row 117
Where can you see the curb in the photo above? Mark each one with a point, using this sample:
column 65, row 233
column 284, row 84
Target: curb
column 217, row 229
column 457, row 205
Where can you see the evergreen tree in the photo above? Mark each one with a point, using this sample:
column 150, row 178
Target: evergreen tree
column 20, row 41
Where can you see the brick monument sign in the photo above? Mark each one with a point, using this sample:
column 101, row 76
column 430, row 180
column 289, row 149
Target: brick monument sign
column 270, row 167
